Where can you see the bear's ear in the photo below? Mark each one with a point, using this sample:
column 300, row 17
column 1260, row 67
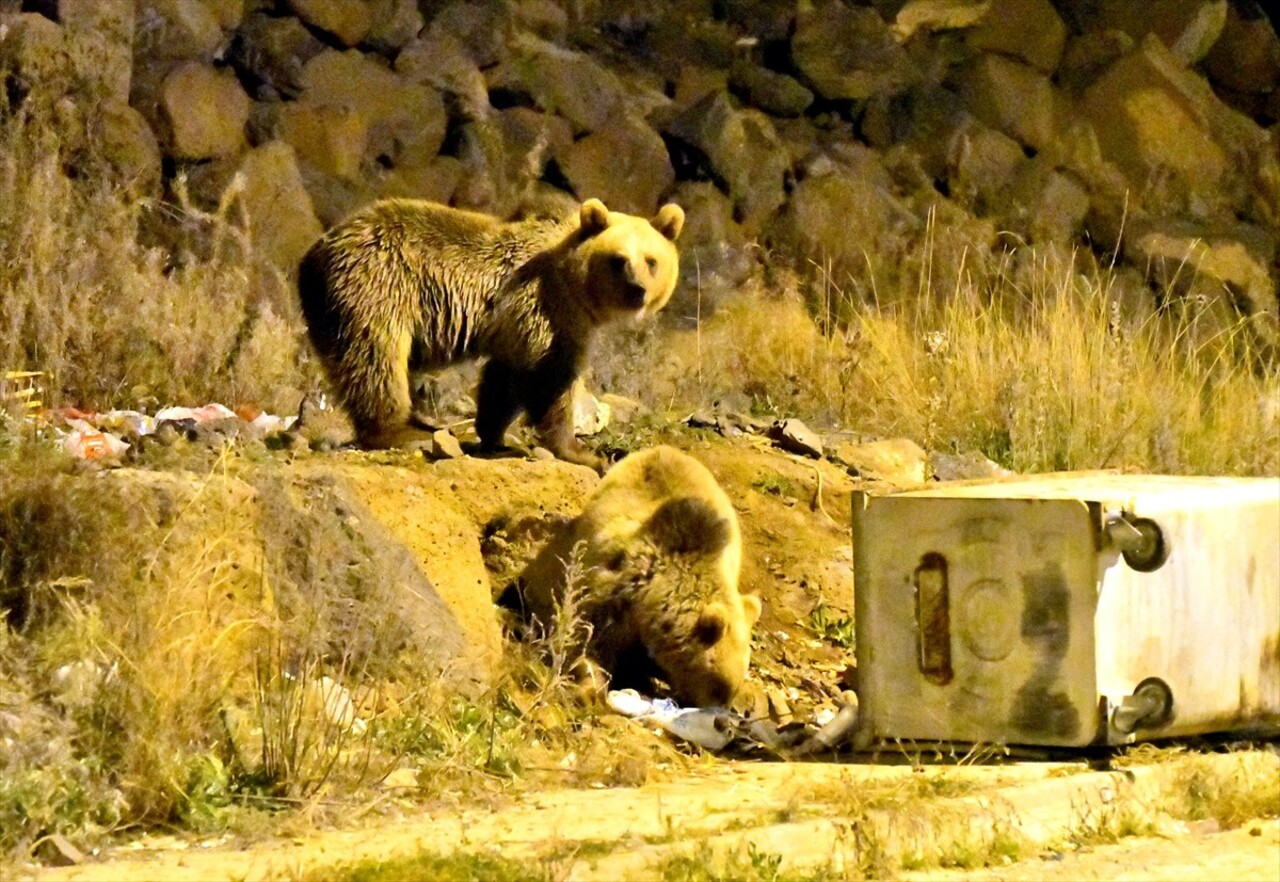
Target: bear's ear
column 669, row 220
column 751, row 608
column 711, row 624
column 594, row 216
column 688, row 525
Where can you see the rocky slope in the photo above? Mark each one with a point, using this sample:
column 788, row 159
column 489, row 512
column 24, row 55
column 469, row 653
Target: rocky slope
column 836, row 134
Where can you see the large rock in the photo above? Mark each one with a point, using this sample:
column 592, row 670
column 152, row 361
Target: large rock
column 560, row 81
column 205, row 111
column 933, row 15
column 272, row 51
column 772, row 92
column 981, row 164
column 178, row 30
column 1154, row 120
column 1029, row 30
column 41, row 58
column 1226, row 268
column 743, row 150
column 849, row 53
column 716, row 256
column 529, row 140
column 442, row 62
column 436, row 181
column 130, row 147
column 1045, row 205
column 395, row 24
column 1013, row 98
column 625, row 163
column 347, row 22
column 1189, row 28
column 1246, row 57
column 406, row 119
column 330, row 138
column 103, row 34
column 282, row 220
column 840, row 211
column 482, row 27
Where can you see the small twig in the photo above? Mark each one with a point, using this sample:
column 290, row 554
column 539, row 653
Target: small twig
column 816, row 503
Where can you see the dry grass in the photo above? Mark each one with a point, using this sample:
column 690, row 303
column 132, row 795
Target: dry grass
column 1035, row 365
column 114, row 323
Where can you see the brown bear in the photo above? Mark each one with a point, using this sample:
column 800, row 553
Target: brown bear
column 406, row 285
column 654, row 558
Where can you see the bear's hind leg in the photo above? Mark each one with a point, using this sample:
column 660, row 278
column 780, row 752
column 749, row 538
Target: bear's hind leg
column 374, row 380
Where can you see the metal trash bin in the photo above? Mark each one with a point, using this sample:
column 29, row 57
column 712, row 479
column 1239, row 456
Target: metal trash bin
column 1068, row 610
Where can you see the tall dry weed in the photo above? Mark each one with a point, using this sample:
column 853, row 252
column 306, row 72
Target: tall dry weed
column 1038, row 361
column 113, row 323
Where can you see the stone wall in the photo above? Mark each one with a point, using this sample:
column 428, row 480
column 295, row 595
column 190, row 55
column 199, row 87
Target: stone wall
column 822, row 129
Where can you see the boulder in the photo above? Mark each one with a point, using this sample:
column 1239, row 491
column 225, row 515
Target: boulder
column 1226, row 268
column 624, row 163
column 272, row 51
column 530, row 139
column 897, row 461
column 1011, row 97
column 1153, row 120
column 1028, row 30
column 560, row 81
column 177, row 30
column 848, row 53
column 282, row 220
column 1246, row 57
column 715, row 254
column 696, row 82
column 544, row 18
column 1188, row 28
column 436, row 181
column 102, row 35
column 347, row 22
column 395, row 24
column 769, row 90
column 129, row 146
column 794, row 436
column 331, row 138
column 981, row 163
column 1087, row 56
column 42, row 58
column 441, row 61
column 204, row 111
column 482, row 27
column 1045, row 204
column 934, row 15
column 406, row 119
column 743, row 150
column 839, row 211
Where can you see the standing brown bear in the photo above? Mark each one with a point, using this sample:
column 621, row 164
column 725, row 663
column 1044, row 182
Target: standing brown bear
column 407, row 285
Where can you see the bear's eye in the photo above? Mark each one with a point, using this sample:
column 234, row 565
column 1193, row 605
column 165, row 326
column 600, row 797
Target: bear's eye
column 652, row 264
column 618, row 263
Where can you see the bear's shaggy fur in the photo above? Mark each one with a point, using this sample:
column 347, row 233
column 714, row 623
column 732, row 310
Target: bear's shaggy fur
column 654, row 558
column 407, row 285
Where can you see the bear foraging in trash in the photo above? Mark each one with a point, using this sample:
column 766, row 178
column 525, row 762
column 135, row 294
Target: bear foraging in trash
column 654, row 559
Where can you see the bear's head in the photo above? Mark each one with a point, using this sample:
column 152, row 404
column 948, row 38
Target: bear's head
column 698, row 626
column 630, row 263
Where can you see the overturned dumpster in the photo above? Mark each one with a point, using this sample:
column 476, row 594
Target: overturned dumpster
column 1068, row 610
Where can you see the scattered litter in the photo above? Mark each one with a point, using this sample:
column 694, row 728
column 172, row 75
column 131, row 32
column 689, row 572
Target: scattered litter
column 87, row 442
column 718, row 729
column 705, row 727
column 197, row 414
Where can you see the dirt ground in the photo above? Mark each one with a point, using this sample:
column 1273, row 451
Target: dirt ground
column 806, row 814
